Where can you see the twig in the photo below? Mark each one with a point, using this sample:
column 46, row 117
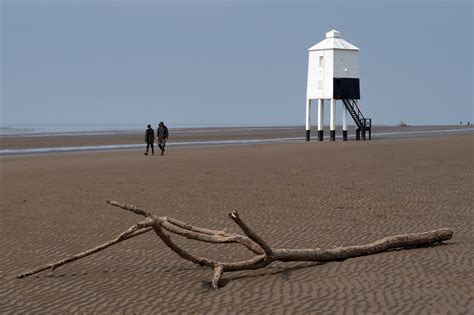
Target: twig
column 133, row 231
column 251, row 234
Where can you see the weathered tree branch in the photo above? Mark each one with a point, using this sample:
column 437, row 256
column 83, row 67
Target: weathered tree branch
column 382, row 245
column 265, row 254
column 193, row 232
column 135, row 230
column 190, row 227
column 131, row 208
column 218, row 271
column 251, row 234
column 178, row 250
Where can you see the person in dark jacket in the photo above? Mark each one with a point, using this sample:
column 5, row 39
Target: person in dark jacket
column 149, row 139
column 162, row 135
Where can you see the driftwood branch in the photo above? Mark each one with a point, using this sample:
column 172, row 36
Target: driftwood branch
column 265, row 254
column 218, row 271
column 133, row 231
column 193, row 232
column 251, row 234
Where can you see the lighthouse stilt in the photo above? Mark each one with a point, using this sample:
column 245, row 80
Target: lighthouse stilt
column 344, row 123
column 332, row 132
column 308, row 119
column 320, row 119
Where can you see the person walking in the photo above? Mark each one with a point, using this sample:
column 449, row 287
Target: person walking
column 149, row 139
column 162, row 135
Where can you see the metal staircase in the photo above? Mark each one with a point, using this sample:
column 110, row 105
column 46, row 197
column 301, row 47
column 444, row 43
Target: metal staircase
column 363, row 124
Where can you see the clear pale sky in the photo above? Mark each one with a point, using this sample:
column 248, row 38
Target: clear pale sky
column 228, row 62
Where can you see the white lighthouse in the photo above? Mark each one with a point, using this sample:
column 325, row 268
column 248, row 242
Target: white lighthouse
column 333, row 74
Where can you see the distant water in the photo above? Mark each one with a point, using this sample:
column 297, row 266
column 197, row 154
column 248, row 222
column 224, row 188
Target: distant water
column 106, row 129
column 65, row 129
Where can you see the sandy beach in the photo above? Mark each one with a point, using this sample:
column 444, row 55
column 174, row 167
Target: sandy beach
column 295, row 195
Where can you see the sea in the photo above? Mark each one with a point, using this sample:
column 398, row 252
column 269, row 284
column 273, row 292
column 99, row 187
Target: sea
column 67, row 129
column 42, row 130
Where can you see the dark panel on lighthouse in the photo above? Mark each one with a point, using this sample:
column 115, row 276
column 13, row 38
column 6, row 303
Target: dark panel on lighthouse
column 347, row 88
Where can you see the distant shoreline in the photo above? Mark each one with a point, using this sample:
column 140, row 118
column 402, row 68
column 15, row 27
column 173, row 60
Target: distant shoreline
column 91, row 129
column 21, row 132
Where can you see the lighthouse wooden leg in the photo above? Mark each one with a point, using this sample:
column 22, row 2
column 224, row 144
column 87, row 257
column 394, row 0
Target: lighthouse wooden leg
column 320, row 119
column 344, row 123
column 308, row 119
column 332, row 132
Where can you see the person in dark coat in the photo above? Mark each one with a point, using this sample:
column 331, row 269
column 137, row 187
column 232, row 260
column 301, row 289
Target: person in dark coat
column 149, row 139
column 162, row 135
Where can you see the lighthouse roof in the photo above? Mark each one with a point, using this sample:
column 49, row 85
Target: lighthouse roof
column 333, row 40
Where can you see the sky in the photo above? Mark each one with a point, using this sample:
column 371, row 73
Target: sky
column 205, row 63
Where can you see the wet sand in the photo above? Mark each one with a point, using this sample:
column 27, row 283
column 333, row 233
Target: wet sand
column 294, row 195
column 207, row 134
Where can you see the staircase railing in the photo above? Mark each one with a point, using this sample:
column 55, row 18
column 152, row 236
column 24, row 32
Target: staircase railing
column 363, row 124
column 356, row 115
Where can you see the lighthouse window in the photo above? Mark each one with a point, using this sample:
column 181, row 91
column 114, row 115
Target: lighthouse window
column 321, row 61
